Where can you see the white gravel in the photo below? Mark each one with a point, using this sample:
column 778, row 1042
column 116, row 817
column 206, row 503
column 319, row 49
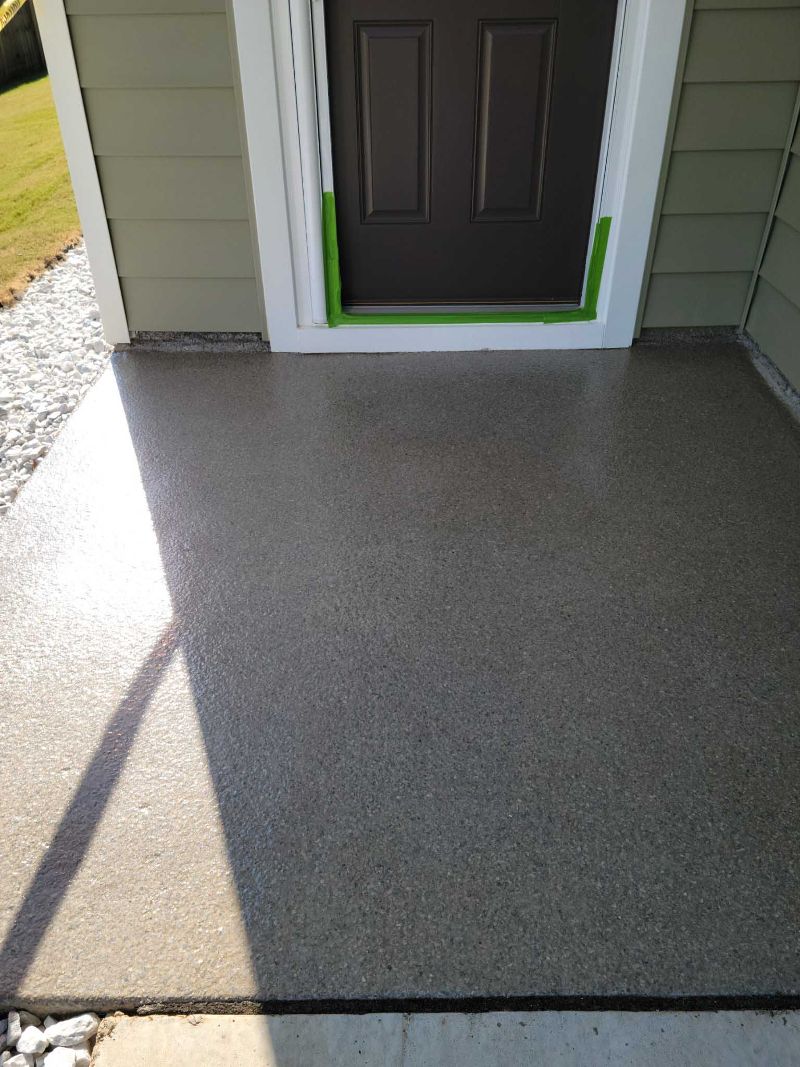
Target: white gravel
column 51, row 351
column 26, row 1041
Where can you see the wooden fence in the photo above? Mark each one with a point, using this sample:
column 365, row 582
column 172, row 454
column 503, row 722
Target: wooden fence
column 21, row 52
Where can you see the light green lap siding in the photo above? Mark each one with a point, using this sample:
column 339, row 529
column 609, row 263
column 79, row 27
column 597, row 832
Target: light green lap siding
column 789, row 202
column 781, row 266
column 173, row 187
column 117, row 52
column 721, row 182
column 745, row 46
column 774, row 319
column 157, row 82
column 732, row 112
column 731, row 4
column 185, row 248
column 714, row 243
column 774, row 323
column 727, row 115
column 678, row 299
column 192, row 304
column 163, row 122
column 145, row 7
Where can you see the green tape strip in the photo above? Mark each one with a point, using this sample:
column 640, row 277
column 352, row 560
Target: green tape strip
column 338, row 317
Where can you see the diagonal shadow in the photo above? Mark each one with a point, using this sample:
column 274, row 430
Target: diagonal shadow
column 77, row 828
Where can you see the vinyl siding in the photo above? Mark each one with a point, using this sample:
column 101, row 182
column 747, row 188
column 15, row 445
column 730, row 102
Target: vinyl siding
column 774, row 319
column 158, row 88
column 734, row 109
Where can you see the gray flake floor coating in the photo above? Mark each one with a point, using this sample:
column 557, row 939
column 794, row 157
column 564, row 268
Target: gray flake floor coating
column 405, row 676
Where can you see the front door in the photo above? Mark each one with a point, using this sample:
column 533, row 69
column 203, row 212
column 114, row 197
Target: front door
column 466, row 138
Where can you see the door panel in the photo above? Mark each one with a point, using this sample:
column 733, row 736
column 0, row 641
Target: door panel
column 394, row 120
column 515, row 78
column 466, row 137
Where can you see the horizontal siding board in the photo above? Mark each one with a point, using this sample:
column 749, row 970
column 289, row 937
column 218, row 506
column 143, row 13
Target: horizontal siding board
column 696, row 299
column 189, row 248
column 143, row 7
column 744, row 45
column 173, row 188
column 163, row 122
column 701, row 243
column 781, row 266
column 715, row 5
column 726, row 115
column 733, row 117
column 157, row 84
column 192, row 304
column 151, row 51
column 774, row 323
column 721, row 182
column 789, row 204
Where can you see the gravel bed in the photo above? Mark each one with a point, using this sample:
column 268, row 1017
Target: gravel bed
column 28, row 1041
column 51, row 351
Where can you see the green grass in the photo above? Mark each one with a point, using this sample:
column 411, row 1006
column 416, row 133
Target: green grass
column 38, row 217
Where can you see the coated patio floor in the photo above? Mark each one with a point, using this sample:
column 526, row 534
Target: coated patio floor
column 349, row 677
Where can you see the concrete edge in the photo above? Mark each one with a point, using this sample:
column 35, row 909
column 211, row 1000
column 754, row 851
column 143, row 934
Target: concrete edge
column 778, row 1002
column 568, row 1038
column 775, row 379
column 688, row 335
column 177, row 341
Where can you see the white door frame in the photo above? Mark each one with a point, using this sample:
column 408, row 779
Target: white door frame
column 277, row 99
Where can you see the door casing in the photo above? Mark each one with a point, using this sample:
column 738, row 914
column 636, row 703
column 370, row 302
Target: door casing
column 287, row 138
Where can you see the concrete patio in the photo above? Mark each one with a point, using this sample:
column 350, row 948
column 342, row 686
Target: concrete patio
column 355, row 678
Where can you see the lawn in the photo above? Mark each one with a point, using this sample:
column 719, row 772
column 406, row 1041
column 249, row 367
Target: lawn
column 38, row 217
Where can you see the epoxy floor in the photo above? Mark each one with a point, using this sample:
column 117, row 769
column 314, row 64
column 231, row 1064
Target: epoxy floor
column 352, row 677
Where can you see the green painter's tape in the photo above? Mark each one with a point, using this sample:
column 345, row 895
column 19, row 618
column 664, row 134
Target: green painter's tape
column 338, row 317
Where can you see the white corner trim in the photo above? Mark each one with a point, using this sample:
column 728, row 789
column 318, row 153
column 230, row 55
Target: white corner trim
column 278, row 112
column 57, row 44
column 648, row 65
column 253, row 40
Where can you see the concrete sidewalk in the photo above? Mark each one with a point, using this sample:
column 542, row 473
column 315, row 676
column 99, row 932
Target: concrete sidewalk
column 554, row 1039
column 357, row 678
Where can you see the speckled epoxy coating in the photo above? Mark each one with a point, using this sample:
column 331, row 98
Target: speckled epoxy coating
column 349, row 677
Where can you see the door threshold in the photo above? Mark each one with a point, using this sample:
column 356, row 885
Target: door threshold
column 457, row 309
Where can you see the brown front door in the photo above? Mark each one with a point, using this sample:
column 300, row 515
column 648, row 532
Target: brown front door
column 466, row 137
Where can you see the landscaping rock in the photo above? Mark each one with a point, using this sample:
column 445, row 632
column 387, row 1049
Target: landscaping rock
column 72, row 1033
column 33, row 1042
column 17, row 1021
column 22, row 1059
column 65, row 1057
column 51, row 351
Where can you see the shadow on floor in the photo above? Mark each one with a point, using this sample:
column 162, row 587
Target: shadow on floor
column 82, row 818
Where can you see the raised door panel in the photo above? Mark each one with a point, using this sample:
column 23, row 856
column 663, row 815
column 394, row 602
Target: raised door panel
column 393, row 70
column 515, row 78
